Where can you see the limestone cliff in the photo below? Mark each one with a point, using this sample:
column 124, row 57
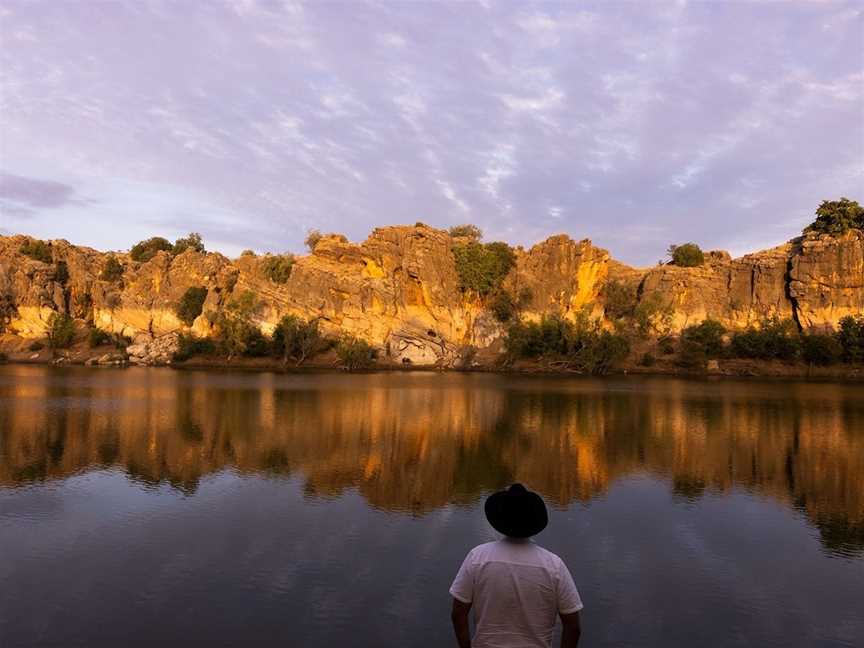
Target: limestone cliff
column 399, row 289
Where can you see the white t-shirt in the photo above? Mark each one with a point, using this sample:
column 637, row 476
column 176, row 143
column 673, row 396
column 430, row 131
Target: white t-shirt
column 517, row 589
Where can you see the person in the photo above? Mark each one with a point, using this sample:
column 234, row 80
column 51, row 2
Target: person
column 515, row 587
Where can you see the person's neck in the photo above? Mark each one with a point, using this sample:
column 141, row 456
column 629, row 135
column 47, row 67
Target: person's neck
column 516, row 540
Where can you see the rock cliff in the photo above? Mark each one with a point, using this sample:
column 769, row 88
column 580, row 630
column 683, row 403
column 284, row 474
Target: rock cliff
column 399, row 289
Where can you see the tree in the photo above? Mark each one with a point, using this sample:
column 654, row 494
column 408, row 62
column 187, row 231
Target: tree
column 837, row 217
column 297, row 339
column 467, row 231
column 851, row 338
column 191, row 242
column 143, row 251
column 277, row 267
column 482, row 266
column 619, row 299
column 313, row 236
column 687, row 255
column 37, row 250
column 355, row 353
column 61, row 331
column 191, row 304
column 61, row 272
column 112, row 270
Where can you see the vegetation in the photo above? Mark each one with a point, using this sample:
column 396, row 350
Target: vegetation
column 504, row 307
column 98, row 337
column 145, row 250
column 312, row 239
column 837, row 217
column 192, row 241
column 188, row 345
column 651, row 316
column 648, row 360
column 277, row 267
column 296, row 339
column 467, row 231
column 37, row 250
column 246, row 253
column 774, row 339
column 61, row 272
column 821, row 350
column 851, row 338
column 701, row 342
column 35, row 346
column 688, row 255
column 582, row 345
column 619, row 299
column 191, row 304
column 355, row 353
column 3, row 357
column 8, row 310
column 112, row 270
column 61, row 331
column 483, row 266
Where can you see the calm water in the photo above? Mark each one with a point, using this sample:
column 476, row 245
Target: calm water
column 156, row 507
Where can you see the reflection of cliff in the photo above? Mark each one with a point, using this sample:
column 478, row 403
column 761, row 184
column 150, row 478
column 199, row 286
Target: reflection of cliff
column 416, row 442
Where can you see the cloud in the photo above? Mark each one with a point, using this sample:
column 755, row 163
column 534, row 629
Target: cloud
column 676, row 118
column 20, row 196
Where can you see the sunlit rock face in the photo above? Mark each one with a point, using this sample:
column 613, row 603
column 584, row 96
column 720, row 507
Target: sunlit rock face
column 826, row 278
column 735, row 292
column 399, row 289
column 563, row 276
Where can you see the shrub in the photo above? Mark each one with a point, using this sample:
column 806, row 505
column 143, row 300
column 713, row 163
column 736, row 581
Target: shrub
column 708, row 336
column 482, row 267
column 97, row 337
column 822, row 350
column 256, row 344
column 312, row 239
column 277, row 267
column 667, row 347
column 296, row 339
column 582, row 346
column 37, row 250
column 8, row 310
column 851, row 338
column 246, row 253
column 355, row 353
column 191, row 304
column 145, row 250
column 652, row 317
column 189, row 345
column 191, row 242
column 467, row 231
column 3, row 358
column 61, row 272
column 112, row 270
column 774, row 339
column 688, row 255
column 647, row 360
column 837, row 217
column 35, row 346
column 502, row 306
column 61, row 331
column 619, row 299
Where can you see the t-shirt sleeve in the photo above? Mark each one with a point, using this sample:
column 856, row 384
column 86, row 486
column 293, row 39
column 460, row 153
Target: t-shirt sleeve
column 463, row 585
column 569, row 600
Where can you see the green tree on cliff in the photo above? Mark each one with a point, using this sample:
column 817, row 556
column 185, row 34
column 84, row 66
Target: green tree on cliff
column 686, row 255
column 143, row 251
column 483, row 266
column 467, row 231
column 191, row 304
column 837, row 217
column 191, row 242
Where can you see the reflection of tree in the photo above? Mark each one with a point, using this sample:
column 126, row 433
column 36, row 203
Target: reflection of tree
column 413, row 447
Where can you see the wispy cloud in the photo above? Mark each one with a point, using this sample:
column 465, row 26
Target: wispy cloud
column 624, row 126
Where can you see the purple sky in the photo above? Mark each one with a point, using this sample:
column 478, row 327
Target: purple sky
column 633, row 124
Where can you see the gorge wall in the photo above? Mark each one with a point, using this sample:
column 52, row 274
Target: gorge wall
column 400, row 291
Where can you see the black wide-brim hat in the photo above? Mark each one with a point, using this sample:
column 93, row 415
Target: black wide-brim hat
column 516, row 512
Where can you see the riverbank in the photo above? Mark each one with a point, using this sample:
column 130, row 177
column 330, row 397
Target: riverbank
column 110, row 356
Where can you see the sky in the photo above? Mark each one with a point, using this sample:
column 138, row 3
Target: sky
column 633, row 124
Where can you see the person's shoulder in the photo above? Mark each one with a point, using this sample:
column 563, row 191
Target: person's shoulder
column 549, row 557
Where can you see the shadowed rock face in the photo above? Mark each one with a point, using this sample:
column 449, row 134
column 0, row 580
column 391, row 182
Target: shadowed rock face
column 399, row 289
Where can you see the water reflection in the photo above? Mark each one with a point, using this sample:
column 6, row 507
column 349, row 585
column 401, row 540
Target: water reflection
column 415, row 442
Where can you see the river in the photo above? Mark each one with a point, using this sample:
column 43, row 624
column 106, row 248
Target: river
column 146, row 507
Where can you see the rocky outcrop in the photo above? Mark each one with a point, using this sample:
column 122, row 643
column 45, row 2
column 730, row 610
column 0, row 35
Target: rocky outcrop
column 826, row 278
column 399, row 290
